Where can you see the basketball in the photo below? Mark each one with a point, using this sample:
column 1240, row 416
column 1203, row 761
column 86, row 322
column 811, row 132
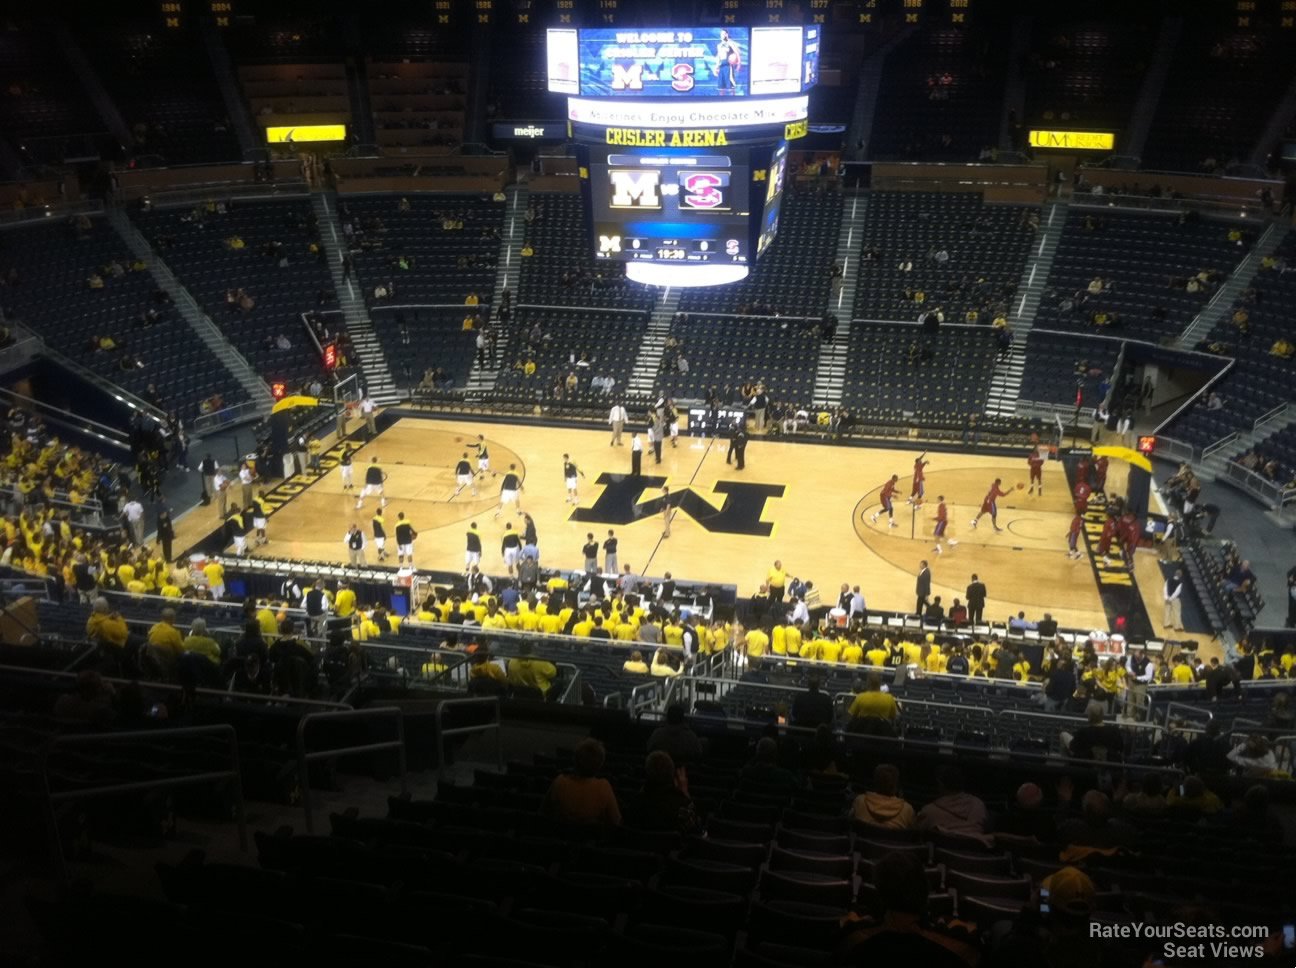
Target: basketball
column 1021, row 487
column 733, row 59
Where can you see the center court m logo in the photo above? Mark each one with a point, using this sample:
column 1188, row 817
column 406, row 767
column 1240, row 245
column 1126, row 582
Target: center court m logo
column 739, row 513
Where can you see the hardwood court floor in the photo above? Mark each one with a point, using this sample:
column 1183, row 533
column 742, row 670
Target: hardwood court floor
column 806, row 504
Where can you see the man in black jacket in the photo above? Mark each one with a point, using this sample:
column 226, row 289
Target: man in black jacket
column 976, row 599
column 1098, row 740
column 935, row 613
column 922, row 588
column 1059, row 687
column 812, row 708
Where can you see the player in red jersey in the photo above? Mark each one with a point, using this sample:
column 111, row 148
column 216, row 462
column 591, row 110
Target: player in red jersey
column 887, row 497
column 1082, row 469
column 919, row 490
column 990, row 506
column 1081, row 495
column 1036, row 462
column 1105, row 539
column 1073, row 536
column 942, row 520
column 1131, row 535
column 1100, row 474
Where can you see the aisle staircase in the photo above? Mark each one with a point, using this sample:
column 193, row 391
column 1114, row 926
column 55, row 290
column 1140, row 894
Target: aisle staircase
column 377, row 375
column 202, row 325
column 1005, row 383
column 507, row 276
column 1230, row 291
column 830, row 374
column 643, row 379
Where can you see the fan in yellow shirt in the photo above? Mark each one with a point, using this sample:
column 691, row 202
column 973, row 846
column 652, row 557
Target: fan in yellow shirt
column 757, row 643
column 934, row 660
column 830, row 650
column 494, row 618
column 268, row 620
column 344, row 602
column 778, row 640
column 877, row 655
column 795, row 639
column 164, row 635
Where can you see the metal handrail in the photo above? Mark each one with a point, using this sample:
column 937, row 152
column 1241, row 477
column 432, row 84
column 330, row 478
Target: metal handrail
column 304, row 758
column 90, row 507
column 571, row 692
column 44, row 210
column 163, row 602
column 643, row 697
column 227, row 191
column 1222, row 444
column 8, row 584
column 1268, row 492
column 1179, row 450
column 495, row 724
column 98, row 380
column 221, row 694
column 66, row 415
column 206, row 423
column 234, row 774
column 1269, row 417
column 1201, row 393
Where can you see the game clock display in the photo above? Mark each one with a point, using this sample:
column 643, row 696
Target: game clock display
column 670, row 206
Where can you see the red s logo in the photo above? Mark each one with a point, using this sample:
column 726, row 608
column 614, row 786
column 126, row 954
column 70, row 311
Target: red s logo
column 702, row 189
column 682, row 77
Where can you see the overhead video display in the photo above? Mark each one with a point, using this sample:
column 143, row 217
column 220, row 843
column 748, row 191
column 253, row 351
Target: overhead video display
column 773, row 199
column 664, row 63
column 670, row 206
column 697, row 62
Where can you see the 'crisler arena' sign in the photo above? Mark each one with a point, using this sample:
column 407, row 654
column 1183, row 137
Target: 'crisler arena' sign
column 666, row 138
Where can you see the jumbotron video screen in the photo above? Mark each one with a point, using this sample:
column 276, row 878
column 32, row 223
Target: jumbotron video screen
column 682, row 135
column 670, row 205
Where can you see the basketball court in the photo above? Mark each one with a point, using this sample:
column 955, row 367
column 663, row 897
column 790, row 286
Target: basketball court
column 809, row 505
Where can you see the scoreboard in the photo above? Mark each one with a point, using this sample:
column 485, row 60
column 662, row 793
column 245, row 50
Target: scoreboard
column 670, row 206
column 682, row 140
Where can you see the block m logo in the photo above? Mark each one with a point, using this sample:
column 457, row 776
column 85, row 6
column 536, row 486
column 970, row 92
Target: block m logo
column 634, row 189
column 628, row 77
column 739, row 513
